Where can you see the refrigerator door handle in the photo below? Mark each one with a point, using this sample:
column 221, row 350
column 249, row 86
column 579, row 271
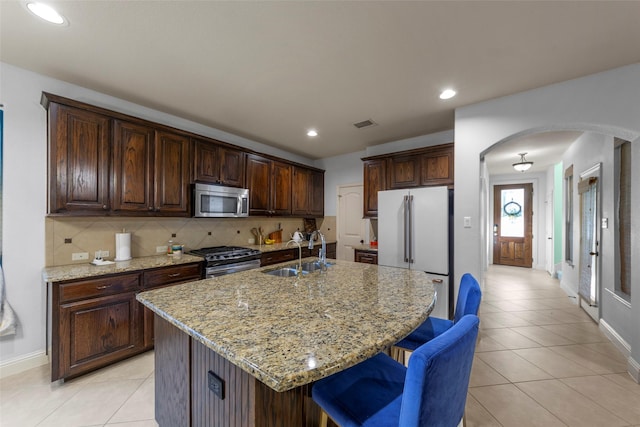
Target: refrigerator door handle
column 410, row 234
column 406, row 225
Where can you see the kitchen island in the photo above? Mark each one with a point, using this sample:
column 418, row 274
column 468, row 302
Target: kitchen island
column 244, row 349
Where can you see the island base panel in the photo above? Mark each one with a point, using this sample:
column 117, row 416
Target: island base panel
column 172, row 368
column 183, row 396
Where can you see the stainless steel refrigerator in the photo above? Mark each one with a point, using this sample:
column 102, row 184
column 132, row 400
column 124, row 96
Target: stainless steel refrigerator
column 414, row 232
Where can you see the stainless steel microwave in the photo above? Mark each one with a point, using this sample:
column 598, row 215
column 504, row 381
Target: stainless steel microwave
column 216, row 201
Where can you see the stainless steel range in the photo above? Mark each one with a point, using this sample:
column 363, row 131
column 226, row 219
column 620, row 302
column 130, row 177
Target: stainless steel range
column 223, row 260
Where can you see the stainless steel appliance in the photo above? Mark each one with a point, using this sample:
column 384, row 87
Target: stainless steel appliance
column 414, row 232
column 221, row 260
column 217, row 201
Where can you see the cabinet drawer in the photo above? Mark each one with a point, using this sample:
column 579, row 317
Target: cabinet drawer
column 277, row 256
column 99, row 287
column 174, row 274
column 366, row 257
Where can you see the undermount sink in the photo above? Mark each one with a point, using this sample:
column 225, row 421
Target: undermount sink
column 313, row 266
column 284, row 272
column 291, row 271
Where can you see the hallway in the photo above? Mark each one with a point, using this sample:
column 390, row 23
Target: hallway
column 542, row 361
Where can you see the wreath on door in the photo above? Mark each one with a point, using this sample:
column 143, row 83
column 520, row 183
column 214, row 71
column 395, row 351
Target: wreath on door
column 512, row 209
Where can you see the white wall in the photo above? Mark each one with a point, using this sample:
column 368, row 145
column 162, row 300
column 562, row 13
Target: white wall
column 607, row 103
column 25, row 195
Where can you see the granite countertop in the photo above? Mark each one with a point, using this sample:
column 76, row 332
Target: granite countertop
column 79, row 271
column 290, row 331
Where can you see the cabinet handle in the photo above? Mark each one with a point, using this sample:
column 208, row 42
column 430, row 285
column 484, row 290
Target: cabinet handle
column 150, row 208
column 174, row 275
column 101, row 288
column 437, row 281
column 104, row 206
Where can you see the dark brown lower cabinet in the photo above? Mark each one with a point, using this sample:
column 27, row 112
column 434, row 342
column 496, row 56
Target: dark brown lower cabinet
column 94, row 323
column 98, row 321
column 183, row 396
column 367, row 257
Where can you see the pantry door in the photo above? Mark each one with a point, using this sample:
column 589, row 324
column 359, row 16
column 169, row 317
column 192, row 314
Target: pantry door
column 512, row 236
column 352, row 228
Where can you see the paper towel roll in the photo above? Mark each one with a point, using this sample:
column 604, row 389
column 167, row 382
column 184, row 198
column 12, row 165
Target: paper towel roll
column 123, row 246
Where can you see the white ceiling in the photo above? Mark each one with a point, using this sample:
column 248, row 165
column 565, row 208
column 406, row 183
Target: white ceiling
column 268, row 71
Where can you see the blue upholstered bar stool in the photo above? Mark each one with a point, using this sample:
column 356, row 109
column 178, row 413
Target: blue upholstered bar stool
column 468, row 302
column 381, row 392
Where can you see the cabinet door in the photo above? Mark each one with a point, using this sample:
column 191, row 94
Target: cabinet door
column 172, row 174
column 374, row 181
column 259, row 183
column 206, row 165
column 316, row 207
column 78, row 160
column 437, row 166
column 132, row 167
column 97, row 332
column 404, row 171
column 281, row 188
column 231, row 167
column 300, row 191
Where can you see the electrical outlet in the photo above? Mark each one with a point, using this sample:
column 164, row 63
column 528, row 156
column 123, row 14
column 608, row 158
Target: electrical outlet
column 251, row 241
column 79, row 256
column 216, row 384
column 161, row 249
column 106, row 254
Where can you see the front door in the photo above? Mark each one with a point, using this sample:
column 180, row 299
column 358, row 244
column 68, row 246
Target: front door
column 512, row 214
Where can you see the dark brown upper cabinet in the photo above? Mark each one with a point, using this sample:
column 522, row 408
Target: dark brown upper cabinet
column 307, row 192
column 269, row 182
column 151, row 170
column 375, row 179
column 79, row 152
column 436, row 166
column 423, row 167
column 106, row 163
column 217, row 164
column 404, row 171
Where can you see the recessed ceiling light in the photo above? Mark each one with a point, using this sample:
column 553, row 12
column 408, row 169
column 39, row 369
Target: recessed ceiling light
column 447, row 94
column 312, row 132
column 46, row 12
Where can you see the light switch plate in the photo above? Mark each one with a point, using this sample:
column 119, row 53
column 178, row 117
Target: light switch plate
column 605, row 222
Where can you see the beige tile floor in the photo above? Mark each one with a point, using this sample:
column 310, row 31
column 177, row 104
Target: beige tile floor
column 540, row 361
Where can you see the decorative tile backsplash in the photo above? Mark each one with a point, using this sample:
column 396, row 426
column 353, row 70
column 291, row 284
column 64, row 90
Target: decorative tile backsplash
column 92, row 234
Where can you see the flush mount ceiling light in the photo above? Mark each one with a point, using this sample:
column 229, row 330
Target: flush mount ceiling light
column 523, row 164
column 312, row 132
column 46, row 12
column 447, row 94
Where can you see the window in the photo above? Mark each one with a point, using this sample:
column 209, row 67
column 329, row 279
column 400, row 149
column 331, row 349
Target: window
column 623, row 232
column 568, row 215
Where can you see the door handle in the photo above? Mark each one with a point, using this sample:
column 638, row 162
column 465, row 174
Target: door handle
column 594, row 253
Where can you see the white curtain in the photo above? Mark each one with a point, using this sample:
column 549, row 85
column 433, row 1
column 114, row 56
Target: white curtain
column 586, row 286
column 8, row 320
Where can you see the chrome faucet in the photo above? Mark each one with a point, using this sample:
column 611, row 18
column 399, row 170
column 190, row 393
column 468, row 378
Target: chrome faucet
column 323, row 249
column 299, row 270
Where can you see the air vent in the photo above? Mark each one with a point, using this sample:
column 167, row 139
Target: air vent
column 364, row 124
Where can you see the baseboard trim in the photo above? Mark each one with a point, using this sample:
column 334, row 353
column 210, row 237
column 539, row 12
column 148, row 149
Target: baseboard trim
column 23, row 363
column 615, row 338
column 633, row 368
